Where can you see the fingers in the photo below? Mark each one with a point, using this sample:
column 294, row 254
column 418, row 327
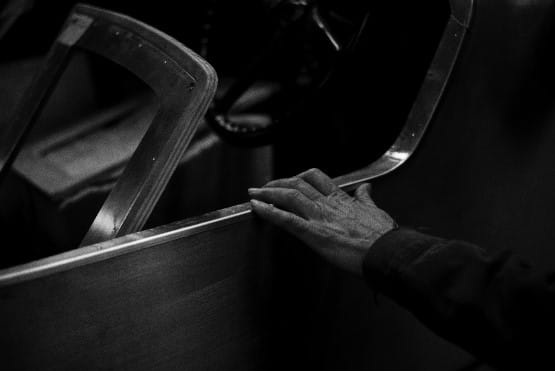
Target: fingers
column 283, row 219
column 363, row 191
column 298, row 184
column 320, row 181
column 297, row 194
column 286, row 199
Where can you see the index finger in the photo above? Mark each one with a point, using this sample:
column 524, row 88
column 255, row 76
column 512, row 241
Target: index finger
column 281, row 218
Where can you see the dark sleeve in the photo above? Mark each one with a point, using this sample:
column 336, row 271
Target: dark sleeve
column 494, row 305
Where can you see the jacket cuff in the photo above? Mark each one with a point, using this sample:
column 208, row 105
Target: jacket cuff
column 388, row 257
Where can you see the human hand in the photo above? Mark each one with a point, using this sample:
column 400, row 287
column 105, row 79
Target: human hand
column 337, row 226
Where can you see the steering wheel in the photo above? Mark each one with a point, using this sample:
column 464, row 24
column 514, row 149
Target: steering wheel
column 251, row 111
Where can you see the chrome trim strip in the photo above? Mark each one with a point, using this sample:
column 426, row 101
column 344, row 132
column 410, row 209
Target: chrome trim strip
column 122, row 245
column 420, row 116
column 462, row 11
column 422, row 111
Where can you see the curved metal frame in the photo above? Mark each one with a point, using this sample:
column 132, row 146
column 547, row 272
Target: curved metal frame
column 426, row 102
column 183, row 82
column 423, row 110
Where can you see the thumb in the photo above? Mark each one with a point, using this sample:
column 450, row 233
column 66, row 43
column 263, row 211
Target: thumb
column 363, row 191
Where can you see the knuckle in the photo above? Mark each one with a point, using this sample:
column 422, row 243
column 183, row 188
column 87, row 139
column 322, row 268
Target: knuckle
column 338, row 193
column 310, row 172
column 323, row 232
column 295, row 180
column 292, row 194
column 315, row 171
column 270, row 183
column 297, row 196
column 320, row 208
column 273, row 183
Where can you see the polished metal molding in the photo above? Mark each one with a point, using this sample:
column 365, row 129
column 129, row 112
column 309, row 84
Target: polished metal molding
column 420, row 116
column 462, row 10
column 425, row 104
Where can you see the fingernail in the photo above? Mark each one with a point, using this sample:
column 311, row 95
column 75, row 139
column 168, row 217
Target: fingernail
column 257, row 203
column 254, row 190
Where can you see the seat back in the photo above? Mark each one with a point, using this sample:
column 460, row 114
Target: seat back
column 183, row 82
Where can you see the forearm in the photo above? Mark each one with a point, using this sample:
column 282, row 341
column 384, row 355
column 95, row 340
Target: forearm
column 492, row 305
